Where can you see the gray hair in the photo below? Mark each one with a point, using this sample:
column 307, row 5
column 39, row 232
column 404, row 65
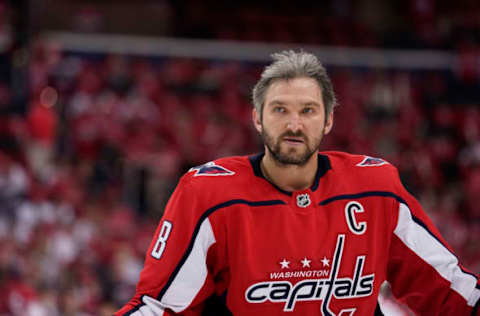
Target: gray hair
column 289, row 65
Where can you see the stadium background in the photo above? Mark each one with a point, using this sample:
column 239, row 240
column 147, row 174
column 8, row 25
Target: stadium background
column 104, row 104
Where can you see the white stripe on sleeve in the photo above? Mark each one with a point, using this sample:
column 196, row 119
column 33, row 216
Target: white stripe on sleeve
column 147, row 311
column 192, row 274
column 422, row 243
column 152, row 307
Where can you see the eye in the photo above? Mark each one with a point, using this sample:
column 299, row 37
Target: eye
column 307, row 110
column 279, row 109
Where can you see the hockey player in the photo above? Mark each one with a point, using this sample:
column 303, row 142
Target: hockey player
column 296, row 231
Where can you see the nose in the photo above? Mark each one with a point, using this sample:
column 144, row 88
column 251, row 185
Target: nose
column 294, row 122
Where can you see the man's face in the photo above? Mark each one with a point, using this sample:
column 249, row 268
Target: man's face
column 293, row 122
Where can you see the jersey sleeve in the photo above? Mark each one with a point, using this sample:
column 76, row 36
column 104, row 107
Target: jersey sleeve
column 423, row 270
column 175, row 278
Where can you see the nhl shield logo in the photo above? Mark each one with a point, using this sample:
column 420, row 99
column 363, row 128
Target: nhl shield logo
column 303, row 200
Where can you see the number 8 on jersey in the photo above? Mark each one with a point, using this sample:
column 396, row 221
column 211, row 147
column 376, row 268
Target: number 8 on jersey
column 162, row 240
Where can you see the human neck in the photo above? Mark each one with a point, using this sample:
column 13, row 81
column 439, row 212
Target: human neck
column 289, row 177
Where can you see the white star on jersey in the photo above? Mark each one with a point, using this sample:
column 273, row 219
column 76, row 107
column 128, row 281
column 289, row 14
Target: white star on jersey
column 325, row 261
column 305, row 262
column 284, row 263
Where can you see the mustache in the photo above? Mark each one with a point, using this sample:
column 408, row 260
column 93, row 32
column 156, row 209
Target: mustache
column 293, row 134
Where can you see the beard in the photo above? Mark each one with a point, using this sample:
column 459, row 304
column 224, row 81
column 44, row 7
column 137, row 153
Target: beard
column 298, row 155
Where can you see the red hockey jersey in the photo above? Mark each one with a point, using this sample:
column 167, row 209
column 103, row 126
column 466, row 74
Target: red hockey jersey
column 321, row 251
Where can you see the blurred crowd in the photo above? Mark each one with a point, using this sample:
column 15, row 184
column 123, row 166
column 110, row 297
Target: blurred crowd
column 84, row 175
column 394, row 24
column 434, row 24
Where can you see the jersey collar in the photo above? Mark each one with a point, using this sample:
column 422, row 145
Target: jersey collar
column 323, row 166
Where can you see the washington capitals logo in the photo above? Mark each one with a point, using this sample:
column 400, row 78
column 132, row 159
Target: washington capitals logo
column 211, row 169
column 371, row 162
column 355, row 284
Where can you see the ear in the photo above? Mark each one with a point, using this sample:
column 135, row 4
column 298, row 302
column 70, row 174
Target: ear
column 328, row 124
column 256, row 120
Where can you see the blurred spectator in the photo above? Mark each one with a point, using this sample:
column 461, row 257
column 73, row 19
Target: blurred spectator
column 42, row 125
column 14, row 184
